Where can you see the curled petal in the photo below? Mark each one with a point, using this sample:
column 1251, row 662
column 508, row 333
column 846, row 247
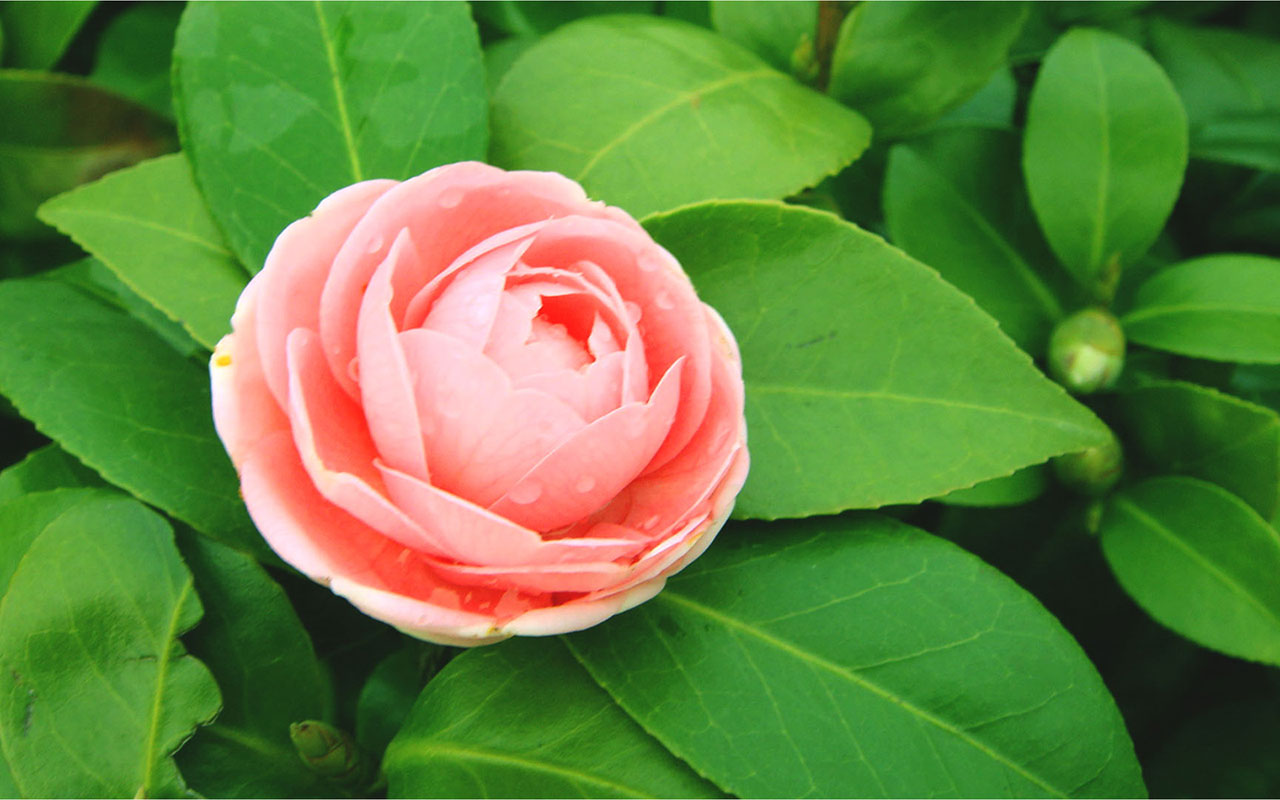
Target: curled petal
column 244, row 410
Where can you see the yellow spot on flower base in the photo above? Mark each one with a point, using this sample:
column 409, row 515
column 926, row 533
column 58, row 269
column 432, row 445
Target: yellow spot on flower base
column 222, row 360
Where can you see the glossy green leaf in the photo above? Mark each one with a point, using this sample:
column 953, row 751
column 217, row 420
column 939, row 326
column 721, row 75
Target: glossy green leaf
column 1200, row 561
column 521, row 719
column 905, row 64
column 954, row 200
column 499, row 56
column 36, row 34
column 24, row 517
column 389, row 693
column 1229, row 82
column 135, row 52
column 1221, row 307
column 1021, row 487
column 262, row 657
column 123, row 402
column 860, row 657
column 649, row 113
column 48, row 468
column 870, row 380
column 1104, row 153
column 536, row 17
column 1186, row 429
column 97, row 690
column 779, row 31
column 68, row 132
column 150, row 226
column 281, row 104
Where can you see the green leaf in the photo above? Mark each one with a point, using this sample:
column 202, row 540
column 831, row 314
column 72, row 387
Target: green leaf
column 499, row 56
column 1200, row 561
column 281, row 104
column 262, row 657
column 1222, row 307
column 68, row 132
column 389, row 693
column 36, row 34
column 48, row 468
column 993, row 104
column 854, row 400
column 905, row 64
column 650, row 113
column 1104, row 153
column 1229, row 82
column 1021, row 487
column 860, row 657
column 25, row 516
column 97, row 690
column 134, row 54
column 149, row 225
column 521, row 719
column 779, row 31
column 1186, row 429
column 954, row 200
column 536, row 17
column 123, row 402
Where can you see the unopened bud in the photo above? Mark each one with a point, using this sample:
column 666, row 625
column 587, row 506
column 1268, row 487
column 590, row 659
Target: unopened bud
column 333, row 754
column 804, row 61
column 1091, row 472
column 1086, row 351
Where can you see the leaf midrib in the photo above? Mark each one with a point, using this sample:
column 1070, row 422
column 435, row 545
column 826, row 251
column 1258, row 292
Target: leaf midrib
column 854, row 678
column 1155, row 312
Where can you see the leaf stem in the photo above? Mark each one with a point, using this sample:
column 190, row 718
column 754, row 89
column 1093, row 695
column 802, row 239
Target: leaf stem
column 831, row 14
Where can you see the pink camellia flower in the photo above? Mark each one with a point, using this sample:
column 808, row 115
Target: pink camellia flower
column 477, row 404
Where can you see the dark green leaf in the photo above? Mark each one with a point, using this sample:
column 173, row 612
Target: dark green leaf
column 954, row 200
column 1021, row 487
column 862, row 658
column 536, row 17
column 36, row 34
column 1221, row 307
column 97, row 690
column 1186, row 429
column 1229, row 82
column 48, row 468
column 1227, row 752
column 262, row 657
column 281, row 104
column 649, row 113
column 1105, row 151
column 59, row 131
column 134, row 54
column 149, row 225
column 499, row 56
column 388, row 694
column 905, row 64
column 521, row 719
column 779, row 31
column 870, row 381
column 1200, row 561
column 123, row 402
column 991, row 105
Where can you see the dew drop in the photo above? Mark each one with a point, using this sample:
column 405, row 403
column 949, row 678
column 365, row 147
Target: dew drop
column 651, row 522
column 375, row 244
column 633, row 311
column 648, row 263
column 585, row 484
column 450, row 198
column 525, row 493
column 721, row 435
column 664, row 301
column 353, row 370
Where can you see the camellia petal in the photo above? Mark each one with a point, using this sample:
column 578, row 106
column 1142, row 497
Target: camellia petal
column 477, row 404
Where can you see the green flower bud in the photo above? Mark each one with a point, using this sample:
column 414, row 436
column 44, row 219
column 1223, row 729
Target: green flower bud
column 331, row 753
column 804, row 61
column 1086, row 351
column 1091, row 472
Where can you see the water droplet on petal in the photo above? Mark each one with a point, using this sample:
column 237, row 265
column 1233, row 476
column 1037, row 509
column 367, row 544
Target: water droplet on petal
column 353, row 370
column 375, row 244
column 664, row 301
column 648, row 263
column 585, row 484
column 650, row 523
column 451, row 197
column 525, row 493
column 633, row 311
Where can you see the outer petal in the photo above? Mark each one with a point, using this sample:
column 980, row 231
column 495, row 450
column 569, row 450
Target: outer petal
column 580, row 614
column 295, row 273
column 244, row 410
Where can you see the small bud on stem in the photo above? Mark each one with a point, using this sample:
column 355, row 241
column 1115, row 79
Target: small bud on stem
column 1091, row 472
column 1086, row 351
column 332, row 754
